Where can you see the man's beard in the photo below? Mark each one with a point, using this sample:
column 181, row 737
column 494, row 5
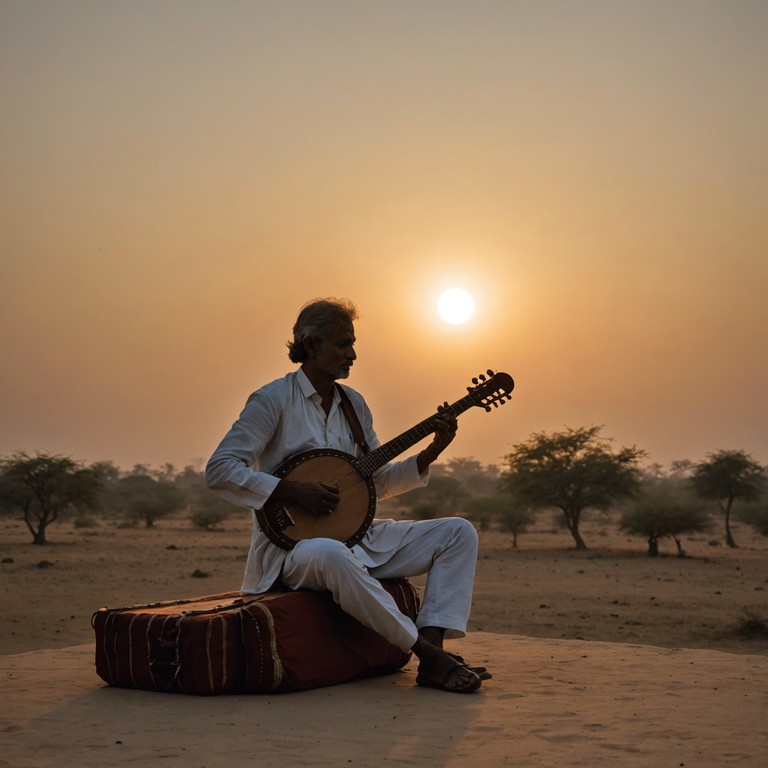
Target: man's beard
column 342, row 372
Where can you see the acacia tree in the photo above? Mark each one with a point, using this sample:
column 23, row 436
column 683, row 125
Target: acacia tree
column 658, row 515
column 727, row 476
column 43, row 487
column 501, row 508
column 143, row 497
column 571, row 471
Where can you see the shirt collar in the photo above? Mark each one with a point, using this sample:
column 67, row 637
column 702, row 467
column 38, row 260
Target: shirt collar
column 307, row 388
column 305, row 384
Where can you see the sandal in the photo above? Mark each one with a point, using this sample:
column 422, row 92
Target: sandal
column 481, row 672
column 470, row 686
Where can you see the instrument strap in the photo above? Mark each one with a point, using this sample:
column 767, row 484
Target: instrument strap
column 354, row 422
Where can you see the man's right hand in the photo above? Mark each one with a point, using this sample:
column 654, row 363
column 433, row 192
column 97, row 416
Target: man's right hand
column 318, row 498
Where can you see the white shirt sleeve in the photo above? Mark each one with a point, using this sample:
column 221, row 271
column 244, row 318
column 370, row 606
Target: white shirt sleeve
column 281, row 420
column 232, row 470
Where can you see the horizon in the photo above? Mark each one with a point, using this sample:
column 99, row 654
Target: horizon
column 179, row 179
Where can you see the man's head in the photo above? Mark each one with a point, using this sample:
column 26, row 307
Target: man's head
column 322, row 320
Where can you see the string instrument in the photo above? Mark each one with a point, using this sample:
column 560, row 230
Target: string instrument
column 286, row 524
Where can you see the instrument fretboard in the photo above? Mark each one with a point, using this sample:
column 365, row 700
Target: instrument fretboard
column 382, row 455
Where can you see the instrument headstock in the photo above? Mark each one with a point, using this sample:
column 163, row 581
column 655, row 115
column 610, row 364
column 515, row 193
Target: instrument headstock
column 491, row 389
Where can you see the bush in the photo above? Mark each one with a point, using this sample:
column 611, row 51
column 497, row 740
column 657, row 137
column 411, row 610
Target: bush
column 208, row 510
column 427, row 510
column 85, row 522
column 757, row 517
column 206, row 519
column 752, row 624
column 483, row 511
column 503, row 508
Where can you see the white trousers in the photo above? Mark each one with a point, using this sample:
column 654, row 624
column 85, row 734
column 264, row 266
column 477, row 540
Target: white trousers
column 444, row 549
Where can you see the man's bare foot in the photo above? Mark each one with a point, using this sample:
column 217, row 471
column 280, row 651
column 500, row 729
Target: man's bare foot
column 438, row 669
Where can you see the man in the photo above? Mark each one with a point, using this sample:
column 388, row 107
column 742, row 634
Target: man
column 301, row 412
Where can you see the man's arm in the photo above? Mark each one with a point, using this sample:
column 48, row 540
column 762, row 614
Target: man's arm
column 445, row 430
column 229, row 471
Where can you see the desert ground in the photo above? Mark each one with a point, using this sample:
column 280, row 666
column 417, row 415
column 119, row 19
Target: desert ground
column 612, row 592
column 600, row 658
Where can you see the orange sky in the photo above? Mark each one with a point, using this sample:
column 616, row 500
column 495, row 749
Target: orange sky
column 177, row 178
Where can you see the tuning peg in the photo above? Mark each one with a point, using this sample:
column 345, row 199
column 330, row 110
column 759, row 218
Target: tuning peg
column 475, row 381
column 490, row 372
column 482, row 377
column 488, row 408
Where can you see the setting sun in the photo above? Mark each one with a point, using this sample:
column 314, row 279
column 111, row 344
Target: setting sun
column 455, row 306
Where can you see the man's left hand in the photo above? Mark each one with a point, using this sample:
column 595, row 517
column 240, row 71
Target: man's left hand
column 445, row 424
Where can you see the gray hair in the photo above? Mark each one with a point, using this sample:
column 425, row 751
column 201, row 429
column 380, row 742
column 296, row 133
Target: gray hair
column 316, row 319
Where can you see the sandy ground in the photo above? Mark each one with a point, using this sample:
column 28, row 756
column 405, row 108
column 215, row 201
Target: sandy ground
column 553, row 703
column 604, row 657
column 612, row 592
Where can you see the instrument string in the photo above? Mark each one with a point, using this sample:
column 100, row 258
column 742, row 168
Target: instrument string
column 492, row 392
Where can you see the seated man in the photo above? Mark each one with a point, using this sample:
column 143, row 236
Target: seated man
column 302, row 411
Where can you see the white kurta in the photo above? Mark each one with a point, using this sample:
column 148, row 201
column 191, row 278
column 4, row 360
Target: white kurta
column 286, row 417
column 279, row 420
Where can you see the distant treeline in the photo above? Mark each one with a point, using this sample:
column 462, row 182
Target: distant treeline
column 570, row 472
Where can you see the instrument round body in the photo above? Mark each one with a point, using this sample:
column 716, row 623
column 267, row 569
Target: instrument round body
column 286, row 524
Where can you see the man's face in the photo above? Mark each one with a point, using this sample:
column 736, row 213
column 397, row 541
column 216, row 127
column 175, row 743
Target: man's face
column 336, row 353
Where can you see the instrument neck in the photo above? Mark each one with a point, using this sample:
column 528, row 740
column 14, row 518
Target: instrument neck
column 385, row 453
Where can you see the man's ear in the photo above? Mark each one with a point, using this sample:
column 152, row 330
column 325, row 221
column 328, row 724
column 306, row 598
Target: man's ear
column 310, row 345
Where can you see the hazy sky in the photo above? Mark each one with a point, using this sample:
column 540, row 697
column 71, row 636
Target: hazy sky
column 178, row 178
